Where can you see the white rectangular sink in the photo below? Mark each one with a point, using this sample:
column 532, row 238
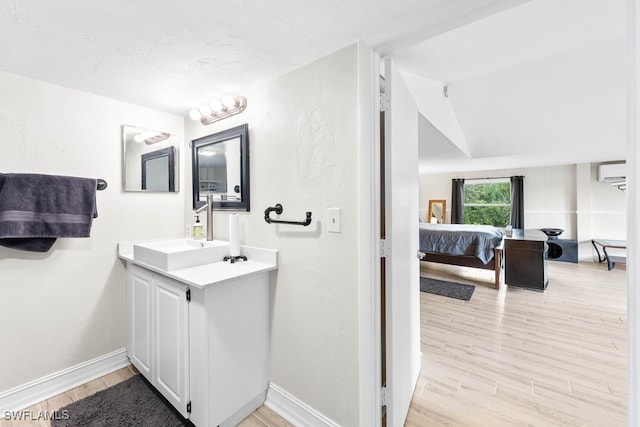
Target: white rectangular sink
column 176, row 254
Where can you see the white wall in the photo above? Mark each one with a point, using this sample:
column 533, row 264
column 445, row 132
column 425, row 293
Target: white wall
column 67, row 306
column 303, row 130
column 555, row 196
column 608, row 208
column 429, row 95
column 549, row 195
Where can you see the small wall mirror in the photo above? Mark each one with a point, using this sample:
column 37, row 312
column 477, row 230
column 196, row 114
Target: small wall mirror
column 220, row 167
column 150, row 160
column 437, row 211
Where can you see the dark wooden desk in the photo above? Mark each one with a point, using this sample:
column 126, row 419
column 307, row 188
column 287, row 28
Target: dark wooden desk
column 613, row 244
column 524, row 259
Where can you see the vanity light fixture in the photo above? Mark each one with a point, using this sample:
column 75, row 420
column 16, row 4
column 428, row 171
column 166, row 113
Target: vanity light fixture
column 151, row 137
column 219, row 109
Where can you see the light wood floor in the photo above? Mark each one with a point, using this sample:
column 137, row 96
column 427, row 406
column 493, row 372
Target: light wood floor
column 512, row 357
column 518, row 357
column 262, row 417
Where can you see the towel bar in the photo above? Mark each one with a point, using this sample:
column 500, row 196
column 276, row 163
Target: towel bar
column 278, row 210
column 102, row 184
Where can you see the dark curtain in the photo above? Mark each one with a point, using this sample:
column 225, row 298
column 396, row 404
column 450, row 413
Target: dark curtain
column 517, row 202
column 457, row 201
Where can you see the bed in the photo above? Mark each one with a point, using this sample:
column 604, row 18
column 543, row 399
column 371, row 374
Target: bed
column 477, row 246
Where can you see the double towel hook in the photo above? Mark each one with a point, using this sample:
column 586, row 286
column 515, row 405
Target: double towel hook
column 278, row 210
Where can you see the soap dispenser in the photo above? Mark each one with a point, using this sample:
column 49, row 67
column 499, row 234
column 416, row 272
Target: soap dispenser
column 197, row 228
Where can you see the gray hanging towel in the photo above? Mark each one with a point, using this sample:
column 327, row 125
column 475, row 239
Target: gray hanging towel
column 36, row 209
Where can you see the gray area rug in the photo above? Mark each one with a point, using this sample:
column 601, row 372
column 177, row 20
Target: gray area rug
column 130, row 403
column 446, row 289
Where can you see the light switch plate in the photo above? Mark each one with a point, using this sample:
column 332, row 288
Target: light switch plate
column 333, row 220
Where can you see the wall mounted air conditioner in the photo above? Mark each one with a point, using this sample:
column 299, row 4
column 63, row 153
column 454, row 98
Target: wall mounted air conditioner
column 613, row 172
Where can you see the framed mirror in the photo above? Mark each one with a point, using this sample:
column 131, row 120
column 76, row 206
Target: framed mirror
column 220, row 167
column 437, row 211
column 150, row 160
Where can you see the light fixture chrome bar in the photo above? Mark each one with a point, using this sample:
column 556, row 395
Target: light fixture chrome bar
column 157, row 138
column 241, row 104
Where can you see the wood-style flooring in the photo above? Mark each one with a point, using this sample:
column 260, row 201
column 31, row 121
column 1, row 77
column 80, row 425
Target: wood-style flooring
column 518, row 357
column 262, row 417
column 512, row 357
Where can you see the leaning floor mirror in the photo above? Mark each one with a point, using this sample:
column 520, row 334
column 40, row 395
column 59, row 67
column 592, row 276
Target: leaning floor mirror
column 150, row 160
column 220, row 167
column 437, row 211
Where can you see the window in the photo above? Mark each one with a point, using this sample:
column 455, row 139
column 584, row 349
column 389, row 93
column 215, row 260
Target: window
column 487, row 201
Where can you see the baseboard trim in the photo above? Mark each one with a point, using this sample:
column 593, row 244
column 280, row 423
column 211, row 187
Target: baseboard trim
column 44, row 388
column 294, row 410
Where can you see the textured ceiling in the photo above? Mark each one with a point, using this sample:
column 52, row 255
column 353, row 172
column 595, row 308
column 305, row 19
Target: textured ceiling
column 175, row 55
column 531, row 82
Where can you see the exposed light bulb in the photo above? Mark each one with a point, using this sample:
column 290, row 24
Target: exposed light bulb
column 219, row 109
column 138, row 138
column 195, row 115
column 216, row 106
column 229, row 101
column 205, row 110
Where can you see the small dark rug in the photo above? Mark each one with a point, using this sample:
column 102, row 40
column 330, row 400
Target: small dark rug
column 130, row 403
column 446, row 289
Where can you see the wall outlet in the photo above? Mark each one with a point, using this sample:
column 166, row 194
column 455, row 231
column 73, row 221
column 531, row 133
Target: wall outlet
column 188, row 231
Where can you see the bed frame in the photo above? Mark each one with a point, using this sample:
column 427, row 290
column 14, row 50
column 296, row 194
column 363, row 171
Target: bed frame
column 470, row 261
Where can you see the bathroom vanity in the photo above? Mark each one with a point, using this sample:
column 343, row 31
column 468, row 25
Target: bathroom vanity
column 199, row 326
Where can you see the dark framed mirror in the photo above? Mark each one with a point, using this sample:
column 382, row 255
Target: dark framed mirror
column 220, row 167
column 158, row 171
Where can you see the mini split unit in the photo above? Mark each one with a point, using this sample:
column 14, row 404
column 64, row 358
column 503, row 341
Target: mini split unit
column 613, row 172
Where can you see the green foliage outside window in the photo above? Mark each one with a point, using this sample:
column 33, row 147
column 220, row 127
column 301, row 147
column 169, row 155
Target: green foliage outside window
column 487, row 203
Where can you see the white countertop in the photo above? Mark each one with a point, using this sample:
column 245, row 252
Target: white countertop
column 258, row 260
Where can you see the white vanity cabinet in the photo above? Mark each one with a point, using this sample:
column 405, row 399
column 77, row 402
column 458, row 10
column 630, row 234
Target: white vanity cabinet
column 229, row 354
column 159, row 334
column 139, row 318
column 200, row 334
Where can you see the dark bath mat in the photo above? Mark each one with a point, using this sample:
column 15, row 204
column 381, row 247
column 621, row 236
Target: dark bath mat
column 131, row 403
column 446, row 289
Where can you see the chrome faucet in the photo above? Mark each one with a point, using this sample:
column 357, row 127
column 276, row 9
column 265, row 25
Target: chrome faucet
column 209, row 207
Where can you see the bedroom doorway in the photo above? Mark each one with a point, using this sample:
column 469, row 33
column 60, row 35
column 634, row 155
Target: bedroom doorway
column 399, row 263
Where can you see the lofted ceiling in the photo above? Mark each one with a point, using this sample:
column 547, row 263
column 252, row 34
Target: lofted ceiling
column 541, row 83
column 528, row 82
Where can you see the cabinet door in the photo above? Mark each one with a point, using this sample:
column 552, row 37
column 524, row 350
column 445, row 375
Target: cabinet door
column 525, row 264
column 139, row 337
column 171, row 348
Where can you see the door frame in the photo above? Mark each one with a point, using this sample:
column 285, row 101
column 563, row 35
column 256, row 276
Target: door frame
column 369, row 344
column 633, row 209
column 370, row 189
